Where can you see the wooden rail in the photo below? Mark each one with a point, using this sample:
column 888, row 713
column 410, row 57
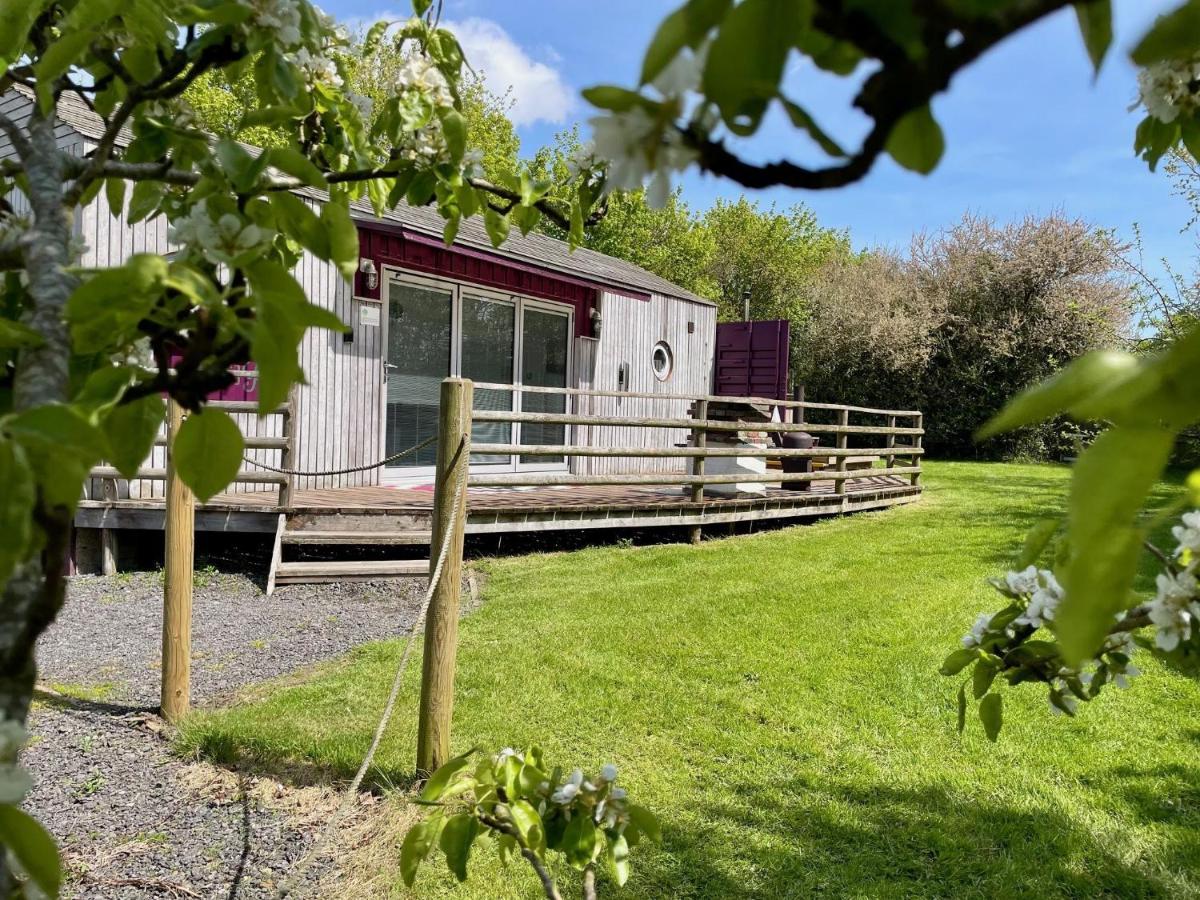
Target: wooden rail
column 901, row 432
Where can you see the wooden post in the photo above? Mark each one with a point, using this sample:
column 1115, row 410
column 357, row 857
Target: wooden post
column 918, row 422
column 891, row 442
column 699, row 439
column 843, row 443
column 108, row 536
column 441, row 623
column 177, row 583
column 287, row 454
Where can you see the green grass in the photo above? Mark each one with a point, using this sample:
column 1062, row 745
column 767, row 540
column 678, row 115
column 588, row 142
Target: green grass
column 775, row 699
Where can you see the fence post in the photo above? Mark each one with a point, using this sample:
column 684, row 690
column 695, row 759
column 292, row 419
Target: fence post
column 842, row 442
column 918, row 421
column 891, row 442
column 177, row 582
column 108, row 536
column 287, row 454
column 699, row 440
column 441, row 622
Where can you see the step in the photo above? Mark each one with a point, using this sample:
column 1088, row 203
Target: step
column 318, row 537
column 354, row 570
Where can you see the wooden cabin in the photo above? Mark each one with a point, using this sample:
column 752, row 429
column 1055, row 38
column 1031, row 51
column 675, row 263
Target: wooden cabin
column 587, row 369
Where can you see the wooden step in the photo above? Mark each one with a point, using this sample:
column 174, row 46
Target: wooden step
column 354, row 570
column 318, row 537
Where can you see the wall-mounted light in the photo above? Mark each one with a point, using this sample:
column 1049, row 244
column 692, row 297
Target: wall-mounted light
column 367, row 267
column 597, row 323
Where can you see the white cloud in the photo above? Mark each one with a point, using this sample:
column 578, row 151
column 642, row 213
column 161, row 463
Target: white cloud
column 539, row 93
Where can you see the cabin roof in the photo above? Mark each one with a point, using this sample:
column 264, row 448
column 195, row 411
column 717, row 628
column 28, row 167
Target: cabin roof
column 533, row 248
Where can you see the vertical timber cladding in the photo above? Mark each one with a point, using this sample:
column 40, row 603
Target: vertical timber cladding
column 631, row 329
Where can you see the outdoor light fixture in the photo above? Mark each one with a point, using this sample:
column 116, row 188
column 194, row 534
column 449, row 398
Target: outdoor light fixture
column 367, row 267
column 597, row 322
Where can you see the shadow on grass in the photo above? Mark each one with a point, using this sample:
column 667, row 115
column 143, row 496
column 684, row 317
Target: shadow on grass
column 884, row 841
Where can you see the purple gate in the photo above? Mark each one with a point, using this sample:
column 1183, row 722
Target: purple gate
column 752, row 359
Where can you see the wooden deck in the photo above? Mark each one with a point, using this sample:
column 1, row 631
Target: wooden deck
column 509, row 510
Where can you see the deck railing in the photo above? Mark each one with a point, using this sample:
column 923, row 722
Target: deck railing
column 282, row 442
column 889, row 440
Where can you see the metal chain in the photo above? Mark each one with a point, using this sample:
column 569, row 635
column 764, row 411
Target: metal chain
column 352, row 790
column 383, row 462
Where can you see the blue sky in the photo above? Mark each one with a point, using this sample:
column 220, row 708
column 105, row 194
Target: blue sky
column 1028, row 129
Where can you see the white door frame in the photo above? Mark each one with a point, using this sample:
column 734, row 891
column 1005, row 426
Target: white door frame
column 395, row 274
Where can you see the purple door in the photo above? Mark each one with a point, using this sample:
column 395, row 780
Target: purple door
column 752, row 359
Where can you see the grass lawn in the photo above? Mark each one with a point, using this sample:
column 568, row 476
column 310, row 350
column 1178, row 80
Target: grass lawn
column 775, row 700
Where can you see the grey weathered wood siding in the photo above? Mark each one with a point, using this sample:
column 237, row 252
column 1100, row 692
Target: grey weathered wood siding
column 631, row 329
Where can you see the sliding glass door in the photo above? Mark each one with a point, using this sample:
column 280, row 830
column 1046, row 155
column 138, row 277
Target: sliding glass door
column 417, row 358
column 545, row 356
column 436, row 328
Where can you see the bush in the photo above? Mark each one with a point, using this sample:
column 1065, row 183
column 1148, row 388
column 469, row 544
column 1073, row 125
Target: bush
column 971, row 316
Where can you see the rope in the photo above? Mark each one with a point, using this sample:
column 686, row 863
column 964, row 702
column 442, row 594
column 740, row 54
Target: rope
column 383, row 462
column 352, row 790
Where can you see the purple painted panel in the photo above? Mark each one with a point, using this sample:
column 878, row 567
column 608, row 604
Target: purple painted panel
column 752, row 359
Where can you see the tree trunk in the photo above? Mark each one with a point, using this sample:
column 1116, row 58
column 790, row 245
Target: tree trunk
column 34, row 594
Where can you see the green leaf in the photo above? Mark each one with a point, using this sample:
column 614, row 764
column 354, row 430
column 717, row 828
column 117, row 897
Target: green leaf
column 14, row 336
column 32, row 847
column 959, row 660
column 296, row 219
column 529, row 823
column 242, row 168
column 343, row 237
column 744, row 66
column 208, row 452
column 104, row 311
column 686, row 26
column 497, row 226
column 16, row 506
column 1095, row 24
column 416, row 847
column 1036, row 541
column 61, row 445
column 579, row 841
column 1109, row 484
column 1172, row 36
column 962, row 707
column 114, row 193
column 991, row 713
column 292, row 162
column 801, row 119
column 454, row 127
column 1153, row 139
column 56, row 60
column 436, row 785
column 457, row 837
column 16, row 18
column 645, row 822
column 1088, row 375
column 618, row 859
column 916, row 141
column 617, row 99
column 1191, row 136
column 982, row 677
column 144, row 200
column 130, row 429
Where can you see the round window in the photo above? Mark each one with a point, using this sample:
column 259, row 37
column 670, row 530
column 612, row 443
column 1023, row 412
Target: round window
column 663, row 361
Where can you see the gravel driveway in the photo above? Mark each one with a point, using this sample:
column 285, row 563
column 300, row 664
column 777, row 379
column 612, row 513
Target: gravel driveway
column 135, row 821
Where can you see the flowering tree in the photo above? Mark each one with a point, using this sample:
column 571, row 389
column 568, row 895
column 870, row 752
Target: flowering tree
column 529, row 810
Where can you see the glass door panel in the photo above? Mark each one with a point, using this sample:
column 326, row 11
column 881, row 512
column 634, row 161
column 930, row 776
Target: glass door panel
column 489, row 332
column 418, row 358
column 545, row 347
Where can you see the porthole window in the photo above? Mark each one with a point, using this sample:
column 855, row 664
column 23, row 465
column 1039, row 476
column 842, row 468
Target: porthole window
column 663, row 360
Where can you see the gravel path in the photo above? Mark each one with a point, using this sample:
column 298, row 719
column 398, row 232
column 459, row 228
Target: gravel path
column 135, row 821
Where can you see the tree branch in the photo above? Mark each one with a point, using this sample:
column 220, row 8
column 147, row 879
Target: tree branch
column 549, row 888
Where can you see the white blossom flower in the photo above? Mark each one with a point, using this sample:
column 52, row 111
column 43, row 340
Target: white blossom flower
column 1047, row 595
column 317, row 68
column 419, row 73
column 508, row 752
column 1173, row 609
column 618, row 794
column 280, row 16
column 220, row 240
column 975, row 637
column 1023, row 583
column 682, row 74
column 1168, row 89
column 569, row 790
column 582, row 160
column 364, row 104
column 608, row 773
column 637, row 145
column 1188, row 534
